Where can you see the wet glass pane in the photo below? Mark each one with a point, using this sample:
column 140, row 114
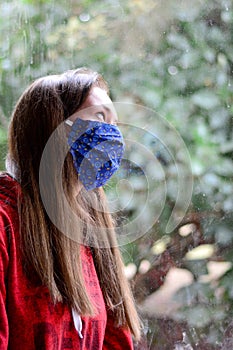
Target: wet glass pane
column 169, row 66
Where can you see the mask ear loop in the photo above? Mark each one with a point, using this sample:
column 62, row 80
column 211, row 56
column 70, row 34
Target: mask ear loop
column 69, row 122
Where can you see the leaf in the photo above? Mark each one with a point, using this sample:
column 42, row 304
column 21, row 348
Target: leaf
column 186, row 296
column 205, row 99
column 198, row 316
column 189, row 59
column 224, row 235
column 197, row 267
column 226, row 282
column 203, row 251
column 224, row 167
column 178, row 41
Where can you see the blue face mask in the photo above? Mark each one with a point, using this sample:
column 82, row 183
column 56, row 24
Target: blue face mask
column 97, row 149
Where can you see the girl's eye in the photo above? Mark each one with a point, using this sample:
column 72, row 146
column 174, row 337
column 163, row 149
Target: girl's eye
column 100, row 115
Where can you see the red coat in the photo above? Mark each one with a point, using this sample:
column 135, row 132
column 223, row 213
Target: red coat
column 28, row 318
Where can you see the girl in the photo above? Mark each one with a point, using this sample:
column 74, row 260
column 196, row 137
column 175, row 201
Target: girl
column 62, row 284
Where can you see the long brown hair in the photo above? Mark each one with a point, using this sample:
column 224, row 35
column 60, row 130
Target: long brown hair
column 52, row 256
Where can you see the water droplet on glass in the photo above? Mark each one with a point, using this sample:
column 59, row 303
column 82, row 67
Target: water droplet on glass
column 6, row 64
column 172, row 70
column 211, row 22
column 84, row 17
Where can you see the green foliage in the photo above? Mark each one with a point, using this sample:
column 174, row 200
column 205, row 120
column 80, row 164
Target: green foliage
column 3, row 139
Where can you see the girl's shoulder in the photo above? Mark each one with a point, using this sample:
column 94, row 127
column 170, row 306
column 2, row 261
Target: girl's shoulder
column 9, row 191
column 9, row 196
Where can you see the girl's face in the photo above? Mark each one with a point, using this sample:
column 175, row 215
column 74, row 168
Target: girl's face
column 97, row 106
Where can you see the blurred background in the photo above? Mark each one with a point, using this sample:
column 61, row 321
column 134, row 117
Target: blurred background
column 174, row 58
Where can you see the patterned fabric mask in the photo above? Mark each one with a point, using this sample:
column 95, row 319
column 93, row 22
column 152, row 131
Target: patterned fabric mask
column 97, row 149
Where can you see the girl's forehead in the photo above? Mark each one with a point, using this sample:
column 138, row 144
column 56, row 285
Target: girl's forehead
column 97, row 101
column 96, row 97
